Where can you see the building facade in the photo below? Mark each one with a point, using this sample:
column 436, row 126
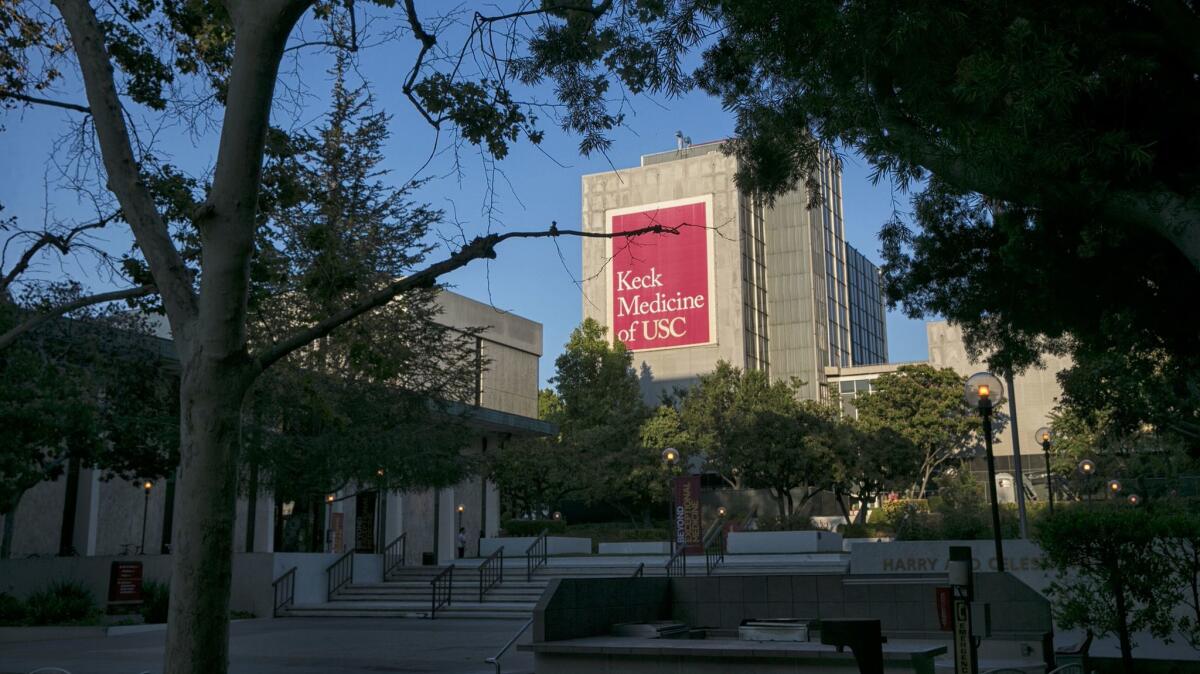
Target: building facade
column 772, row 288
column 114, row 517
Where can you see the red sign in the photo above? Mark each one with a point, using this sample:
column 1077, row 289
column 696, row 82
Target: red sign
column 688, row 531
column 945, row 609
column 661, row 285
column 125, row 582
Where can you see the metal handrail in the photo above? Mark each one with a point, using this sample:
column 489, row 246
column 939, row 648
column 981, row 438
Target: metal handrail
column 677, row 564
column 491, row 572
column 495, row 659
column 640, row 572
column 395, row 553
column 339, row 574
column 536, row 555
column 714, row 550
column 286, row 582
column 442, row 585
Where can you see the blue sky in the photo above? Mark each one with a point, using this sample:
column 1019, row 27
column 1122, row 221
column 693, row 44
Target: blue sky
column 530, row 188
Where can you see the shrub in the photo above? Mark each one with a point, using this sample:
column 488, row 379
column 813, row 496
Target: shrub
column 794, row 522
column 62, row 603
column 869, row 530
column 533, row 527
column 12, row 610
column 892, row 512
column 155, row 601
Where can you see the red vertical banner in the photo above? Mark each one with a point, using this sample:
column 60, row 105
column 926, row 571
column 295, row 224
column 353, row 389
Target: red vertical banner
column 661, row 285
column 687, row 526
column 945, row 609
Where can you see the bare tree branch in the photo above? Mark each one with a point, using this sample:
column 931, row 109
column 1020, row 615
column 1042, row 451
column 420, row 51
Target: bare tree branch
column 480, row 247
column 120, row 164
column 42, row 317
column 61, row 241
column 45, row 101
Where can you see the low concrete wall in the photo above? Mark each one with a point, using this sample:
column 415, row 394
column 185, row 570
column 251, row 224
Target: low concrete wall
column 636, row 548
column 573, row 608
column 581, row 607
column 516, row 546
column 916, row 557
column 250, row 591
column 767, row 542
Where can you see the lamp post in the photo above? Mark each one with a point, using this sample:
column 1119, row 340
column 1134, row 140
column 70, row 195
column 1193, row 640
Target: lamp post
column 329, row 522
column 1087, row 468
column 146, row 487
column 459, row 510
column 670, row 457
column 984, row 392
column 1114, row 488
column 1043, row 437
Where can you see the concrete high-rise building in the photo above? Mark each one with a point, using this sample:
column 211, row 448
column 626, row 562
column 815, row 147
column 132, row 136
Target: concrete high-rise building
column 773, row 288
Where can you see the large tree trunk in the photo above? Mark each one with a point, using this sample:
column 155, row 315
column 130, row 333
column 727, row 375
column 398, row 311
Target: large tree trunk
column 1122, row 610
column 10, row 525
column 202, row 559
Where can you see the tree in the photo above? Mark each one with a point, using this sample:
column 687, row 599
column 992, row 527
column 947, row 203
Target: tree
column 867, row 462
column 150, row 55
column 535, row 474
column 761, row 433
column 1002, row 116
column 88, row 391
column 924, row 405
column 602, row 414
column 1111, row 578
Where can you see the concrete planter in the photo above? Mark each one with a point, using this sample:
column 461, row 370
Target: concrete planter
column 774, row 542
column 636, row 548
column 517, row 545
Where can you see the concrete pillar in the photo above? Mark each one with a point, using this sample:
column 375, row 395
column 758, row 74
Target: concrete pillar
column 87, row 513
column 395, row 516
column 492, row 525
column 447, row 531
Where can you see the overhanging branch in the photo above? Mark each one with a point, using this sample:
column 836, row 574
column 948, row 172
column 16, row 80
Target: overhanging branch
column 34, row 322
column 45, row 101
column 61, row 241
column 477, row 248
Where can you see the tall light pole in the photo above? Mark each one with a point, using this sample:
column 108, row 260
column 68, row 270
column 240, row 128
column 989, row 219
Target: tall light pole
column 670, row 457
column 1016, row 447
column 1043, row 437
column 329, row 498
column 984, row 392
column 146, row 487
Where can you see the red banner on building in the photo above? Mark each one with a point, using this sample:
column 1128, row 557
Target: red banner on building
column 687, row 525
column 661, row 285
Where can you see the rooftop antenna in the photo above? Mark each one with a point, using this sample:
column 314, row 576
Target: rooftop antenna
column 682, row 142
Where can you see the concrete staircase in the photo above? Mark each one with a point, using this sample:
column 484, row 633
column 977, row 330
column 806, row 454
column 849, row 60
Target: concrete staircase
column 406, row 592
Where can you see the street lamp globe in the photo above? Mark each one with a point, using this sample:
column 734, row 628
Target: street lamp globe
column 1134, row 499
column 1087, row 466
column 461, row 508
column 557, row 516
column 1043, row 435
column 329, row 498
column 983, row 391
column 147, row 485
column 721, row 512
column 1114, row 486
column 670, row 455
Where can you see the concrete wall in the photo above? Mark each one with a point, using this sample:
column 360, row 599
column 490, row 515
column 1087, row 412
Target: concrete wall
column 573, row 608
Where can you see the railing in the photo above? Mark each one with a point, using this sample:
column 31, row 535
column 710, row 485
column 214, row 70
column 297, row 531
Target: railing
column 641, row 571
column 495, row 659
column 1068, row 669
column 714, row 549
column 677, row 564
column 536, row 554
column 339, row 574
column 491, row 572
column 442, row 586
column 285, row 590
column 394, row 554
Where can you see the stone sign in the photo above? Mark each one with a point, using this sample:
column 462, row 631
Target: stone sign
column 918, row 557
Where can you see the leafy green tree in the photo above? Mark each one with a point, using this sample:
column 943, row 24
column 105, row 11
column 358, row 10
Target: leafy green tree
column 747, row 425
column 89, row 391
column 867, row 462
column 535, row 475
column 1026, row 182
column 924, row 405
column 1112, row 578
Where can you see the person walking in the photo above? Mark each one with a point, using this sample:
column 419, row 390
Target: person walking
column 462, row 542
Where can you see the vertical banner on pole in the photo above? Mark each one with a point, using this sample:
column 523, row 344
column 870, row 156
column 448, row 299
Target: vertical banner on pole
column 687, row 527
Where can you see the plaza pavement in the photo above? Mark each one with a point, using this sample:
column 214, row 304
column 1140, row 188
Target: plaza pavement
column 296, row 646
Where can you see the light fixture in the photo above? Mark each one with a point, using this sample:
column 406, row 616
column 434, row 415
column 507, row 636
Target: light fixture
column 1042, row 436
column 1114, row 486
column 461, row 508
column 1134, row 499
column 721, row 512
column 670, row 456
column 983, row 391
column 1087, row 466
column 329, row 498
column 557, row 516
column 147, row 485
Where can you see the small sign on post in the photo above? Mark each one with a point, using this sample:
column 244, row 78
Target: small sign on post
column 945, row 609
column 962, row 589
column 124, row 584
column 687, row 525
